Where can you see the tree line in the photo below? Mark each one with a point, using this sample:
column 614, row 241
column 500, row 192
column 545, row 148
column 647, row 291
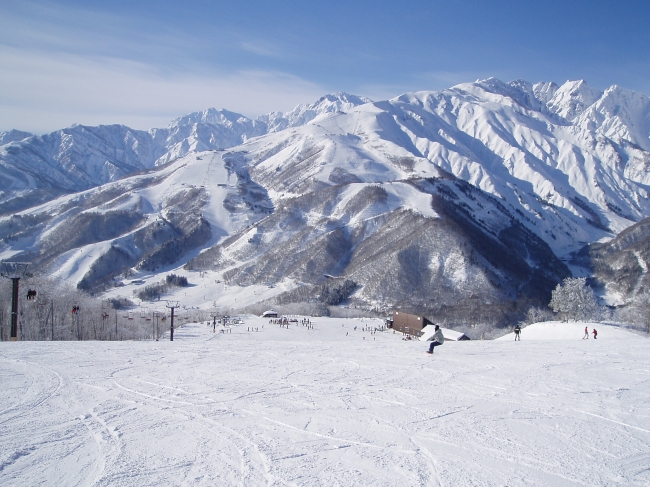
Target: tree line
column 51, row 310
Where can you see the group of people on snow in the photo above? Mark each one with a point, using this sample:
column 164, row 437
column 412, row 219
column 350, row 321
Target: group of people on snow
column 439, row 339
column 586, row 336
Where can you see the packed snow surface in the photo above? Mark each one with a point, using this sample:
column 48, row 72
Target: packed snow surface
column 557, row 330
column 324, row 406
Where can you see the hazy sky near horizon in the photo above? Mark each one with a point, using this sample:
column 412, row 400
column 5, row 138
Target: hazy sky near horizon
column 143, row 63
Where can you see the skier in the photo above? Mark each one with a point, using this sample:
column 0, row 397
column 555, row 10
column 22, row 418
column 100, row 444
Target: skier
column 517, row 332
column 436, row 339
column 586, row 337
column 595, row 333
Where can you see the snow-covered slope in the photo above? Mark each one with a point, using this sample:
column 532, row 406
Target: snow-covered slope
column 573, row 159
column 564, row 182
column 13, row 136
column 73, row 159
column 327, row 406
column 302, row 114
column 148, row 221
column 470, row 193
column 36, row 168
column 570, row 183
column 419, row 244
column 572, row 331
column 619, row 267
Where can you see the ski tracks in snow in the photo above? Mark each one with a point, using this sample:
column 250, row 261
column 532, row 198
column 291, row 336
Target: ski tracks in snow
column 298, row 407
column 30, row 399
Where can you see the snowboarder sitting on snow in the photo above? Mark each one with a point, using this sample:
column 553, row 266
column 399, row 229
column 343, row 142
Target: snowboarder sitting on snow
column 436, row 339
column 517, row 332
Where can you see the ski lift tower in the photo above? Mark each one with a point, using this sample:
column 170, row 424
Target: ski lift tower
column 214, row 314
column 156, row 320
column 172, row 305
column 14, row 271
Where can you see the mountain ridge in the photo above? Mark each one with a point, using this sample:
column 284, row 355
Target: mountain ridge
column 80, row 157
column 534, row 171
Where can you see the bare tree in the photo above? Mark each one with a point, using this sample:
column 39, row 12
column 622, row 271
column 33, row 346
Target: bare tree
column 51, row 310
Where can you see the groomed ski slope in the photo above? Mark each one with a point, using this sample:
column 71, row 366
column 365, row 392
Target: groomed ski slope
column 557, row 330
column 324, row 407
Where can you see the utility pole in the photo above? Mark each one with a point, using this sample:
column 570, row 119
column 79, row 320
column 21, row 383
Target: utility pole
column 214, row 315
column 156, row 331
column 172, row 305
column 154, row 324
column 14, row 271
column 52, row 322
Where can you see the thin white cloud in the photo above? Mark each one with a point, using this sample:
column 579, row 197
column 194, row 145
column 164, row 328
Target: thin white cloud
column 261, row 48
column 41, row 91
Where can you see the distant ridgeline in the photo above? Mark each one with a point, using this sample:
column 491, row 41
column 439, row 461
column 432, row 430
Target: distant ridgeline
column 463, row 204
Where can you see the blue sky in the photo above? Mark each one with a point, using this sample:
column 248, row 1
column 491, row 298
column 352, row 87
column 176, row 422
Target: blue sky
column 143, row 63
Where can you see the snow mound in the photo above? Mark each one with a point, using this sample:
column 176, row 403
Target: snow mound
column 450, row 335
column 556, row 330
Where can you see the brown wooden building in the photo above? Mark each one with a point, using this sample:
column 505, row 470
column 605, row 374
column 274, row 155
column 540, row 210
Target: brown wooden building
column 407, row 323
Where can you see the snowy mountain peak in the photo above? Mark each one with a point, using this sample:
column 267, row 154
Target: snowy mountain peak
column 544, row 91
column 212, row 116
column 13, row 136
column 622, row 115
column 572, row 98
column 339, row 101
column 538, row 169
column 519, row 91
column 305, row 113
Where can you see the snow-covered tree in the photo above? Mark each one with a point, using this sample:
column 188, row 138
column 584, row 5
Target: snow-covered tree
column 638, row 312
column 537, row 315
column 574, row 299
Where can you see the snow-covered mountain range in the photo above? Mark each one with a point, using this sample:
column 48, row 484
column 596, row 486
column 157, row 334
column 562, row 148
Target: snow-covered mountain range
column 428, row 199
column 36, row 168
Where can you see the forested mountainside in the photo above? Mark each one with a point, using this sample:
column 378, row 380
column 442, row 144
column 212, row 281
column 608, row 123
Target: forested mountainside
column 619, row 267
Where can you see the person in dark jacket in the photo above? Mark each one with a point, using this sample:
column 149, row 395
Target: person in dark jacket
column 517, row 332
column 436, row 339
column 595, row 333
